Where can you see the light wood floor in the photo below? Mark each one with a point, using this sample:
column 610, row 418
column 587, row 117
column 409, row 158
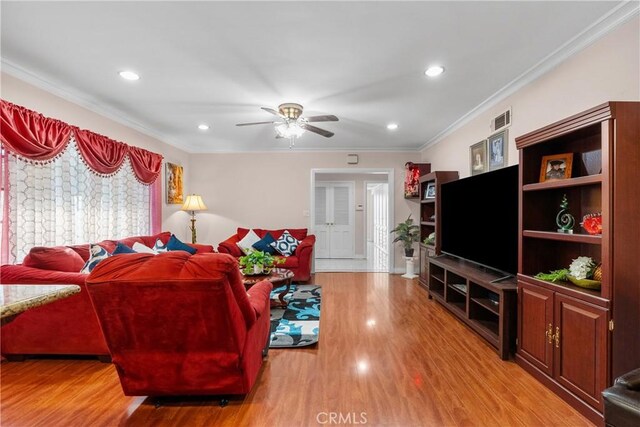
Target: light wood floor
column 387, row 355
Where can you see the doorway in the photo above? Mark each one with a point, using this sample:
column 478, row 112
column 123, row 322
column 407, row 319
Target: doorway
column 351, row 212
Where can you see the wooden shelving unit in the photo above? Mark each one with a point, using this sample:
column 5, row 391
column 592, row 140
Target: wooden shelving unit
column 576, row 340
column 429, row 213
column 471, row 294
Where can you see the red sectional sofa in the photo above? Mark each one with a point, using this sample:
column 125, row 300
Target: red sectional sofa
column 299, row 262
column 68, row 326
column 177, row 324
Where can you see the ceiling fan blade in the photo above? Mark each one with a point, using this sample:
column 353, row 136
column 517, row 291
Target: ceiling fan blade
column 317, row 130
column 272, row 111
column 328, row 118
column 256, row 123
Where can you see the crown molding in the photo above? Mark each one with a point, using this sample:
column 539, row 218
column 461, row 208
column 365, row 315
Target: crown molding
column 81, row 99
column 610, row 21
column 298, row 149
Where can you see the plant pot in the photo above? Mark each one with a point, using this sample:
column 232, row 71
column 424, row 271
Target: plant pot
column 408, row 252
column 257, row 269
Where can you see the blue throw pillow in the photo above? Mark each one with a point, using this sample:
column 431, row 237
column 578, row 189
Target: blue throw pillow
column 264, row 244
column 121, row 248
column 176, row 245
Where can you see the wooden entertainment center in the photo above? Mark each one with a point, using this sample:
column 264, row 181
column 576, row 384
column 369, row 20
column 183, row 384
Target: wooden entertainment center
column 478, row 298
column 574, row 340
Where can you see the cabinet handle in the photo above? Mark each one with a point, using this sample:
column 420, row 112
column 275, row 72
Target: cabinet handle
column 549, row 333
column 557, row 337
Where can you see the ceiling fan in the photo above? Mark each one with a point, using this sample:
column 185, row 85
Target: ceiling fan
column 292, row 125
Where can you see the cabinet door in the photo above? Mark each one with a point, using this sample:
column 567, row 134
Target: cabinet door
column 535, row 320
column 581, row 349
column 424, row 266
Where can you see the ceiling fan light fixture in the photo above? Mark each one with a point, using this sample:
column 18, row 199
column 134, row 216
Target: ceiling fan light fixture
column 129, row 75
column 289, row 130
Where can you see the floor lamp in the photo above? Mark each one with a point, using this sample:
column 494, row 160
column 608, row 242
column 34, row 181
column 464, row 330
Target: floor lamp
column 193, row 203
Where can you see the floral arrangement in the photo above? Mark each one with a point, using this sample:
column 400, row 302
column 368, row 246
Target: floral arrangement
column 583, row 271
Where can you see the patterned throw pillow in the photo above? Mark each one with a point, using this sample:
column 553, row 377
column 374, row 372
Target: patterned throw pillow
column 286, row 244
column 264, row 245
column 96, row 254
column 141, row 248
column 247, row 242
column 160, row 247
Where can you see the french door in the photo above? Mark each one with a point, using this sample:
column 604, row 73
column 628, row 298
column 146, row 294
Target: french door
column 334, row 220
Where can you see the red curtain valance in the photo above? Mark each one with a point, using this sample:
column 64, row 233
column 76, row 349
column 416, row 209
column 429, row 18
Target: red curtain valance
column 34, row 137
column 31, row 135
column 145, row 164
column 100, row 153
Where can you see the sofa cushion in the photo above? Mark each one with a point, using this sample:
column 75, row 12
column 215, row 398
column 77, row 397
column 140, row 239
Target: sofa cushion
column 97, row 254
column 174, row 244
column 298, row 233
column 59, row 258
column 143, row 249
column 264, row 244
column 160, row 246
column 247, row 242
column 121, row 248
column 286, row 244
column 289, row 262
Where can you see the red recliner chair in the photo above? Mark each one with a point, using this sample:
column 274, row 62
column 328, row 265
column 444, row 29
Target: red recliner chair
column 177, row 324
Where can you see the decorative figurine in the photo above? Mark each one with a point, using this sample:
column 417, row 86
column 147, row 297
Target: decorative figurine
column 564, row 220
column 592, row 223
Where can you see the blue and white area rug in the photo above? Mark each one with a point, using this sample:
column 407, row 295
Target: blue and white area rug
column 299, row 324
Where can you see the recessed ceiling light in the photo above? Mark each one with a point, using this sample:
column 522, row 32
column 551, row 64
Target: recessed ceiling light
column 434, row 70
column 392, row 126
column 129, row 75
column 203, row 127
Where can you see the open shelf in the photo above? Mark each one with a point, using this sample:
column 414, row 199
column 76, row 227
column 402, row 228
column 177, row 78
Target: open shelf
column 552, row 235
column 428, row 200
column 488, row 304
column 571, row 182
column 439, row 279
column 459, row 288
column 431, row 223
column 590, row 295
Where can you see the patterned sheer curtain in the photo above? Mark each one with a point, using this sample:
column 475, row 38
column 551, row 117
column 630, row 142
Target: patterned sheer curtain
column 63, row 202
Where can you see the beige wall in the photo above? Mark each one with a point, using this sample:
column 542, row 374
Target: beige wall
column 359, row 198
column 608, row 70
column 272, row 190
column 33, row 98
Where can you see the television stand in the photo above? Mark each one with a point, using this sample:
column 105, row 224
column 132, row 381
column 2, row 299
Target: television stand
column 483, row 300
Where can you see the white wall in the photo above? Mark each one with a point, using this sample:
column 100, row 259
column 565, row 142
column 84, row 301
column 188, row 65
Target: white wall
column 608, row 70
column 33, row 98
column 271, row 190
column 358, row 199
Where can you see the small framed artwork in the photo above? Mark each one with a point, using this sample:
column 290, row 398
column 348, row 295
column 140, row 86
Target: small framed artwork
column 497, row 146
column 430, row 192
column 556, row 167
column 478, row 157
column 174, row 184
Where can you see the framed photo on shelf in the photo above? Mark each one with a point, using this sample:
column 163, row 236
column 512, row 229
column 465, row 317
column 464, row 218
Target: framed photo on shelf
column 556, row 167
column 497, row 146
column 430, row 192
column 478, row 157
column 174, row 184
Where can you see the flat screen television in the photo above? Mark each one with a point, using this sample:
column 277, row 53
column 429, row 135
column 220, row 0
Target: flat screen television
column 479, row 219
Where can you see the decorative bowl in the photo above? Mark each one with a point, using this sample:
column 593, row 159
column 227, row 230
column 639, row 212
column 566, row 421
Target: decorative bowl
column 592, row 223
column 585, row 283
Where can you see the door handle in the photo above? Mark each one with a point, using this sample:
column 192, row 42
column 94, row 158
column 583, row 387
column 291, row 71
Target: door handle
column 557, row 337
column 549, row 334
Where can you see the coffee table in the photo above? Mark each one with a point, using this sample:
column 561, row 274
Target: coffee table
column 278, row 276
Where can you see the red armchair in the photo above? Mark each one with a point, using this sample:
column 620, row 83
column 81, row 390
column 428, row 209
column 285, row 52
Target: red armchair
column 68, row 326
column 181, row 325
column 299, row 262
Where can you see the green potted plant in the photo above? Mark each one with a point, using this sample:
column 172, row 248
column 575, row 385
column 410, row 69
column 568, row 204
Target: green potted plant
column 408, row 233
column 258, row 262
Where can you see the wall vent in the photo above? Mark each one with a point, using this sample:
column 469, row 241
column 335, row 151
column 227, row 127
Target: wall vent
column 501, row 121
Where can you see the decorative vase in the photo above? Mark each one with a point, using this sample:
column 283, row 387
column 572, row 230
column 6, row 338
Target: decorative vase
column 592, row 223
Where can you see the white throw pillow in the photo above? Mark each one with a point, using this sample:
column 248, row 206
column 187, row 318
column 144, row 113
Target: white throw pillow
column 96, row 254
column 142, row 248
column 159, row 247
column 247, row 242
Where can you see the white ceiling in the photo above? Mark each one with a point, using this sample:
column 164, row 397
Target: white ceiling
column 218, row 62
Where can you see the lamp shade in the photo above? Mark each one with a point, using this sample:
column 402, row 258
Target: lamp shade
column 194, row 203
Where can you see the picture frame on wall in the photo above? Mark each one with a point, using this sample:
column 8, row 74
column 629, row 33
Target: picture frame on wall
column 497, row 149
column 556, row 167
column 478, row 157
column 174, row 183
